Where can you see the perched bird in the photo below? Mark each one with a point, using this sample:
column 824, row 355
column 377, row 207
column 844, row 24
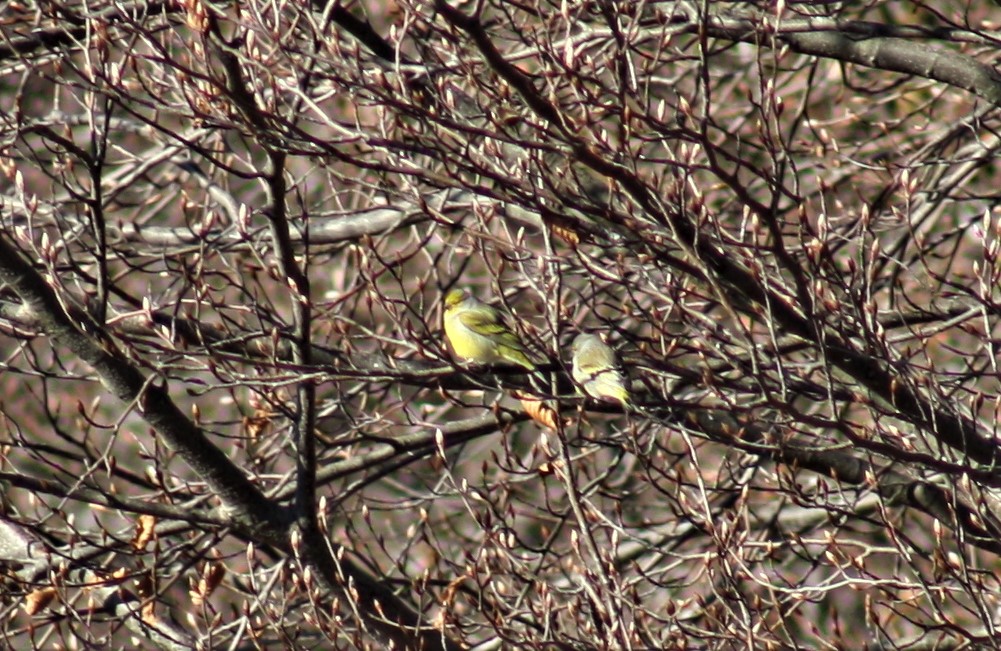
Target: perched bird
column 596, row 370
column 478, row 333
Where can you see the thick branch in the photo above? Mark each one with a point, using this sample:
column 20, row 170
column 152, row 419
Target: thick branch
column 243, row 502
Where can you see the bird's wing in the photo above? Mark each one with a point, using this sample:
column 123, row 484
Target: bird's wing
column 489, row 324
column 485, row 322
column 599, row 361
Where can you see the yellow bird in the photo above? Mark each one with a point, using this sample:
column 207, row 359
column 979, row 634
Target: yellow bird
column 595, row 369
column 478, row 333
